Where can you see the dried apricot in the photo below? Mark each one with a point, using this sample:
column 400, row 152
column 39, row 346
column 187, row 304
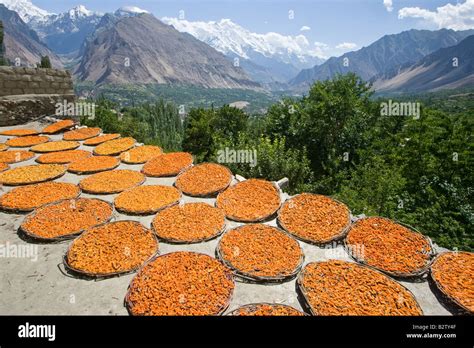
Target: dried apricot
column 169, row 164
column 189, row 223
column 250, row 200
column 181, row 283
column 204, row 180
column 146, row 199
column 113, row 181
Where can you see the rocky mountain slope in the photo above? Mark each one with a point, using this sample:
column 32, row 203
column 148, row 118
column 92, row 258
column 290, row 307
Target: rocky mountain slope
column 447, row 68
column 385, row 54
column 142, row 49
column 22, row 44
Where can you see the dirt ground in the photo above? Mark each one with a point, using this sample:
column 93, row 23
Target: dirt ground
column 38, row 285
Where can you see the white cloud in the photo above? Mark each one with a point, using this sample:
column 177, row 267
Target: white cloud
column 346, row 46
column 458, row 17
column 305, row 28
column 388, row 5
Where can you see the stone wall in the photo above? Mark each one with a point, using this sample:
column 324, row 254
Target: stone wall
column 27, row 94
column 17, row 81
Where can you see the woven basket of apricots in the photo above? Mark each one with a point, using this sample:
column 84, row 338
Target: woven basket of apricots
column 111, row 249
column 452, row 274
column 389, row 246
column 338, row 288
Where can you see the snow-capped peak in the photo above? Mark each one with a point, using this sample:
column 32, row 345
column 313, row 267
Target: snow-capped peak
column 26, row 10
column 80, row 11
column 230, row 38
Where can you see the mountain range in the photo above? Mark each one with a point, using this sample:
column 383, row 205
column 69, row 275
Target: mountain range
column 142, row 49
column 132, row 46
column 451, row 67
column 386, row 54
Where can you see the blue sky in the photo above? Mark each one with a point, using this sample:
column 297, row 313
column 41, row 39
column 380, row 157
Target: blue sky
column 331, row 21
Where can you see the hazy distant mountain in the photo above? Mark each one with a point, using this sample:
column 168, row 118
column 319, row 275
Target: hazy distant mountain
column 64, row 33
column 25, row 9
column 142, row 49
column 266, row 57
column 385, row 54
column 22, row 42
column 435, row 71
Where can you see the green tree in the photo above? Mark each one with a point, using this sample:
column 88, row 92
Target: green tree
column 332, row 121
column 271, row 160
column 206, row 130
column 45, row 63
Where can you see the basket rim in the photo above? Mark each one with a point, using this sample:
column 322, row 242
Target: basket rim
column 415, row 274
column 341, row 235
column 258, row 219
column 212, row 194
column 111, row 274
column 146, row 212
column 69, row 236
column 195, row 241
column 438, row 284
column 255, row 304
column 229, row 276
column 261, row 279
column 302, row 289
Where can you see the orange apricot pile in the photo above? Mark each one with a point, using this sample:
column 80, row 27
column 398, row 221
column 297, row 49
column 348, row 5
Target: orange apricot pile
column 114, row 147
column 250, row 200
column 169, row 164
column 113, row 181
column 453, row 275
column 66, row 218
column 204, row 180
column 63, row 157
column 101, row 139
column 82, row 133
column 261, row 252
column 113, row 248
column 140, row 154
column 189, row 223
column 266, row 310
column 314, row 218
column 54, row 146
column 388, row 246
column 181, row 283
column 146, row 200
column 28, row 198
column 32, row 174
column 346, row 288
column 94, row 164
column 58, row 127
column 27, row 141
